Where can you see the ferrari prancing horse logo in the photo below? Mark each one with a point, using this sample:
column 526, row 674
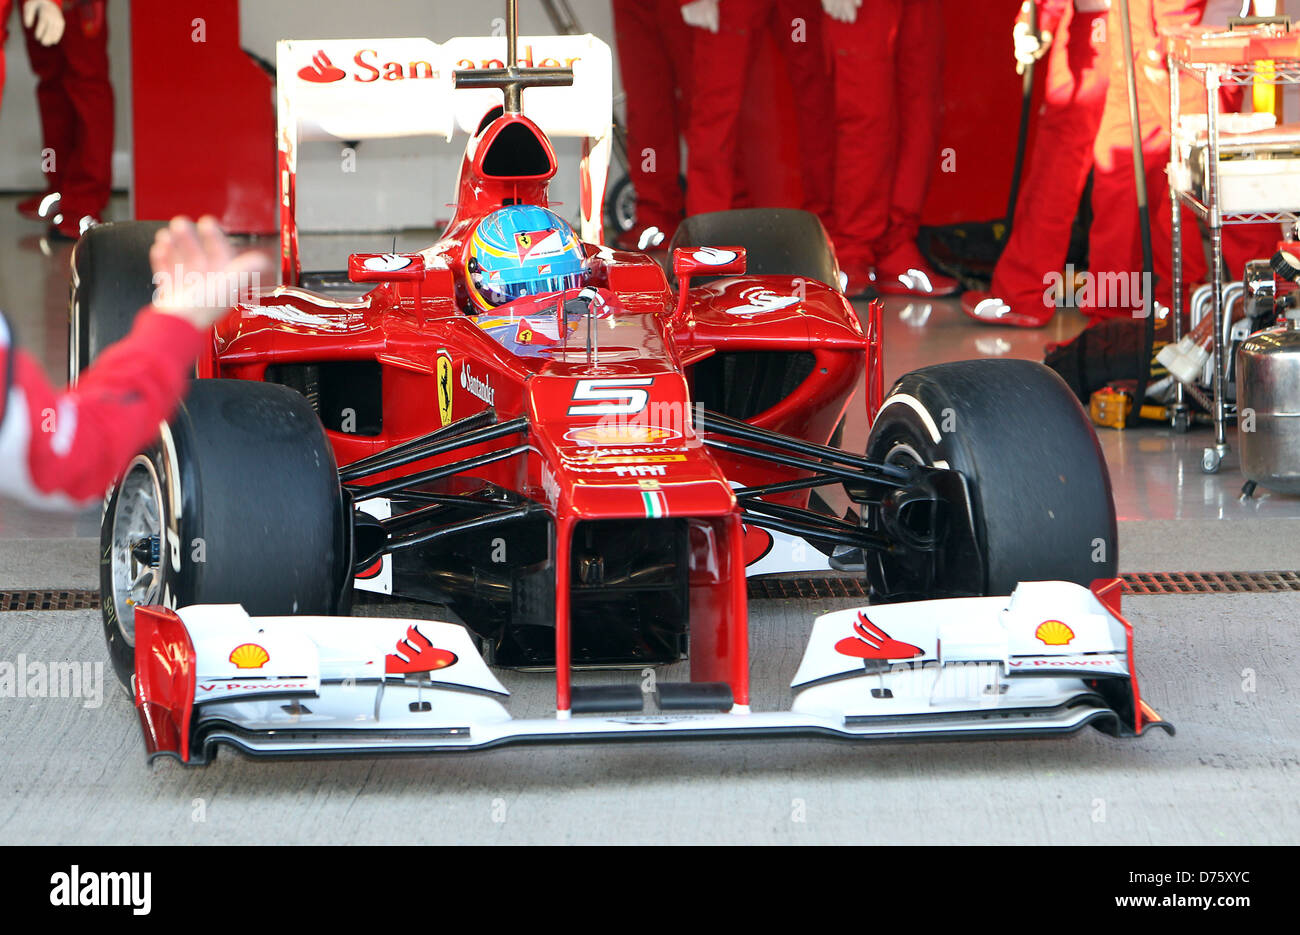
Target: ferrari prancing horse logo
column 444, row 388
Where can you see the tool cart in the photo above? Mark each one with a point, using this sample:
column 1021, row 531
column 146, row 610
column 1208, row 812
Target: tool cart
column 1227, row 178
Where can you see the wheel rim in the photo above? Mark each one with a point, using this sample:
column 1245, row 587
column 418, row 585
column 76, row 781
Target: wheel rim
column 625, row 208
column 894, row 574
column 904, row 455
column 136, row 544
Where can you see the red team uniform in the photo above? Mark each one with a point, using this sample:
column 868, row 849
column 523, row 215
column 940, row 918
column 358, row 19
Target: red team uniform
column 1078, row 75
column 887, row 71
column 61, row 449
column 654, row 53
column 76, row 107
column 1114, row 244
column 720, row 62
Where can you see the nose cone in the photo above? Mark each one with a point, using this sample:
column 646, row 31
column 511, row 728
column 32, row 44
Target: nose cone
column 623, row 447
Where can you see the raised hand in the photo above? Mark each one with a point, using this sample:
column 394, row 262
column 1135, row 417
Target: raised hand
column 196, row 273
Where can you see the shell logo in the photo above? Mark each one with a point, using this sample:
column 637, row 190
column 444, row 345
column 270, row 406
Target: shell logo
column 1054, row 633
column 249, row 656
column 620, row 434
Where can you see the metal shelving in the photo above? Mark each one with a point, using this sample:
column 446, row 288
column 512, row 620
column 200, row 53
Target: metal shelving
column 1212, row 76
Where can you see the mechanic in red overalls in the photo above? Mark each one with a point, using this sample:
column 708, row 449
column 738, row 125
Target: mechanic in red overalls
column 887, row 62
column 67, row 44
column 724, row 42
column 654, row 57
column 64, row 449
column 1114, row 240
column 1078, row 73
column 1115, row 246
column 43, row 17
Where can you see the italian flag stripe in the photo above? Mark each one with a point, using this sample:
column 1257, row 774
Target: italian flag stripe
column 655, row 504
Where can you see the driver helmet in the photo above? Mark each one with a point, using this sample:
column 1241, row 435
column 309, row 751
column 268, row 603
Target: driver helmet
column 521, row 250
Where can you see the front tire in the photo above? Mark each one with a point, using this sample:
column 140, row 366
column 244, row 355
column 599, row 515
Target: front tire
column 237, row 502
column 1040, row 489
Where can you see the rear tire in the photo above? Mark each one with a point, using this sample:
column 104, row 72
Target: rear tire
column 1039, row 485
column 620, row 206
column 777, row 241
column 111, row 281
column 237, row 502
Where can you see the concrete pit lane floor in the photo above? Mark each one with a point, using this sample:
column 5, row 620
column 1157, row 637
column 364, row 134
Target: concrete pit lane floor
column 1221, row 667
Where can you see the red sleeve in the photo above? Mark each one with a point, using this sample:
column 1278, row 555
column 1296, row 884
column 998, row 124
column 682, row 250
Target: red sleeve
column 61, row 449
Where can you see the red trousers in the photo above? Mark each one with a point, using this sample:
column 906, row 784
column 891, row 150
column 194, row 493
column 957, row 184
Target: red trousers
column 887, row 67
column 1061, row 156
column 76, row 105
column 654, row 53
column 720, row 64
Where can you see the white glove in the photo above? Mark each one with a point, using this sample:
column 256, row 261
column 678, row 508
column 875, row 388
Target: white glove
column 846, row 11
column 702, row 14
column 45, row 20
column 1028, row 47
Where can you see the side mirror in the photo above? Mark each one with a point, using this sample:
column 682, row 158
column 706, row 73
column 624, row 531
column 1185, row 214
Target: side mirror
column 703, row 261
column 707, row 261
column 386, row 267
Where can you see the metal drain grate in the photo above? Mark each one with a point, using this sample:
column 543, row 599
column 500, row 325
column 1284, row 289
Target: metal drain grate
column 821, row 588
column 761, row 589
column 1211, row 582
column 49, row 600
column 1156, row 582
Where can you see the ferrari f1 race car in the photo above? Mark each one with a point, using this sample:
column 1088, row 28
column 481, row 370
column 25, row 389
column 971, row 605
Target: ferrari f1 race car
column 585, row 477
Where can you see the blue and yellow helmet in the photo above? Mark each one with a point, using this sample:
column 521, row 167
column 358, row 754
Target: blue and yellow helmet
column 521, row 250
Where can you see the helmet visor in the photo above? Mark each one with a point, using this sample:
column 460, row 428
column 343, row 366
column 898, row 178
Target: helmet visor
column 501, row 293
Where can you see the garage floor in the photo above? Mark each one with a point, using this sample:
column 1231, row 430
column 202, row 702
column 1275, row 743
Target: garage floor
column 1222, row 667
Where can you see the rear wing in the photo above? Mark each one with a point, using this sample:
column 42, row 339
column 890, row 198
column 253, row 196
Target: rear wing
column 359, row 89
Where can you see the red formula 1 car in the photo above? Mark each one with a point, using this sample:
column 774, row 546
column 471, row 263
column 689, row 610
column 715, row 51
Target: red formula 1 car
column 584, row 479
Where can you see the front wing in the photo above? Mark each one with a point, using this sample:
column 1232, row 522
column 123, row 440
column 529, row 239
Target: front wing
column 1050, row 659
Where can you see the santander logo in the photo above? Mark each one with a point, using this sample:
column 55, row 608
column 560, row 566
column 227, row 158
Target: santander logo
column 321, row 70
column 368, row 68
column 870, row 642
